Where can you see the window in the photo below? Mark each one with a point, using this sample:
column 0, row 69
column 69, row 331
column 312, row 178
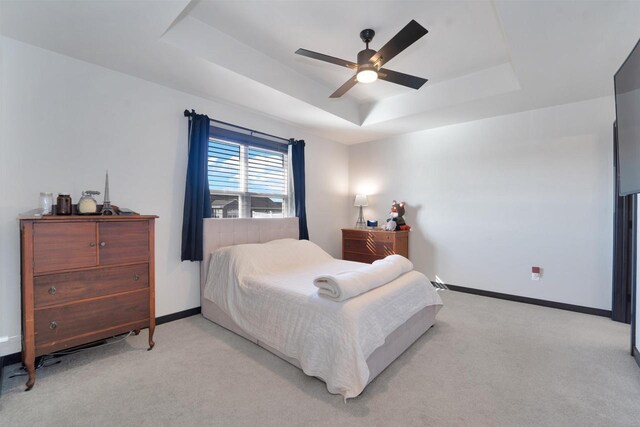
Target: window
column 248, row 176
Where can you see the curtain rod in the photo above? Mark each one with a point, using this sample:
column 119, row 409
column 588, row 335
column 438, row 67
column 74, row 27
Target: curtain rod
column 188, row 113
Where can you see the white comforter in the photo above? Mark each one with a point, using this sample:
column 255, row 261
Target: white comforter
column 267, row 289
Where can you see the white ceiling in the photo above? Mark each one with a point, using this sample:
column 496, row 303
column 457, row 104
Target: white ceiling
column 482, row 58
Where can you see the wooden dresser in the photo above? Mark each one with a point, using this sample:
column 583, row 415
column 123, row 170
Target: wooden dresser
column 368, row 245
column 84, row 278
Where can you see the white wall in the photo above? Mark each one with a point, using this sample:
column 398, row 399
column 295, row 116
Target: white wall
column 490, row 199
column 64, row 122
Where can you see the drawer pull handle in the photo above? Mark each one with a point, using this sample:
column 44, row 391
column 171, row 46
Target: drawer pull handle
column 136, row 277
column 52, row 290
column 53, row 325
column 92, row 244
column 103, row 244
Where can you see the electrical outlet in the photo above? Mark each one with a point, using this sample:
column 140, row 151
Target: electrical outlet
column 536, row 272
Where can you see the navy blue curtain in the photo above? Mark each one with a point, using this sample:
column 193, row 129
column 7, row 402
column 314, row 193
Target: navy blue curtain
column 197, row 199
column 297, row 165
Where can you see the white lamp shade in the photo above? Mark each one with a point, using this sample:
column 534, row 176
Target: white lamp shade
column 361, row 200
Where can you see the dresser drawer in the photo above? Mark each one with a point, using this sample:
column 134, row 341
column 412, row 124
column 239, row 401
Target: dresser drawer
column 360, row 257
column 378, row 236
column 355, row 234
column 383, row 236
column 64, row 246
column 66, row 287
column 65, row 322
column 368, row 246
column 123, row 242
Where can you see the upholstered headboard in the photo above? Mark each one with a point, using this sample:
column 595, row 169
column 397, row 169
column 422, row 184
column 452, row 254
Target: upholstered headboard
column 220, row 232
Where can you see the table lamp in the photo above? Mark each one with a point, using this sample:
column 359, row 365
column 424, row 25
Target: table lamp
column 361, row 200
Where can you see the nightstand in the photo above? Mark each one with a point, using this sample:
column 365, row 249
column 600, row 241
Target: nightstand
column 368, row 245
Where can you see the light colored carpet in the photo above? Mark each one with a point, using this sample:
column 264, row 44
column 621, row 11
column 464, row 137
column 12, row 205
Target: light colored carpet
column 485, row 362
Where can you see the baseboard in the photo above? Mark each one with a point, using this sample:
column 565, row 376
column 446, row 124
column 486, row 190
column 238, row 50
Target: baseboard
column 636, row 355
column 10, row 359
column 534, row 301
column 177, row 316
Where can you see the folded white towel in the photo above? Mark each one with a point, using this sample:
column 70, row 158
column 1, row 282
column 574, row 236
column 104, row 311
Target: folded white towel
column 349, row 284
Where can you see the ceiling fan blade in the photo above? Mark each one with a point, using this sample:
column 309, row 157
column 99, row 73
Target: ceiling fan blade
column 401, row 78
column 344, row 88
column 326, row 58
column 405, row 38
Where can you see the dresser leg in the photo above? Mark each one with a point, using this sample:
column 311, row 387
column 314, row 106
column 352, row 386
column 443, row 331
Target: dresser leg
column 151, row 330
column 31, row 370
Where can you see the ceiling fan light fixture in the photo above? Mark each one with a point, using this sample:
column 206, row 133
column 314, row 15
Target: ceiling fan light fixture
column 369, row 67
column 367, row 76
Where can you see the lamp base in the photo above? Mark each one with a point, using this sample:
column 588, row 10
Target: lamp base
column 360, row 222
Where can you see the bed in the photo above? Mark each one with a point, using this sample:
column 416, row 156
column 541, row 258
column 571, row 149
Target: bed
column 258, row 285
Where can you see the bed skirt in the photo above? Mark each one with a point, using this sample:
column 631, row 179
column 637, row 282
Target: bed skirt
column 395, row 344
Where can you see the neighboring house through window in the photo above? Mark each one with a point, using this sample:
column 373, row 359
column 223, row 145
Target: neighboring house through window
column 248, row 176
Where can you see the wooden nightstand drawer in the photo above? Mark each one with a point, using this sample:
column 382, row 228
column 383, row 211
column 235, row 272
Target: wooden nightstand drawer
column 354, row 234
column 61, row 288
column 359, row 257
column 60, row 323
column 383, row 236
column 368, row 246
column 377, row 235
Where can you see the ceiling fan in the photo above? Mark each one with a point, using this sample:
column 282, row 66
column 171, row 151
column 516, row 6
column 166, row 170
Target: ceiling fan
column 369, row 66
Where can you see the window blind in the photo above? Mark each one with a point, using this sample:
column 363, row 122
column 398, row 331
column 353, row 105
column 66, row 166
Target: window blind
column 224, row 166
column 266, row 172
column 248, row 176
